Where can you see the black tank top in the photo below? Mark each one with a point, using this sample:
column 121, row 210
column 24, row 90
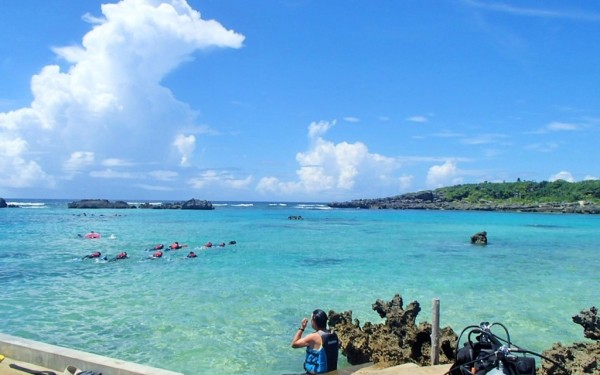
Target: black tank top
column 331, row 345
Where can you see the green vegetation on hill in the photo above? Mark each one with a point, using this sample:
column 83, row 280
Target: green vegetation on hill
column 524, row 192
column 521, row 196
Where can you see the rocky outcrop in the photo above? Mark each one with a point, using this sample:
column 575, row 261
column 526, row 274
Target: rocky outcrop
column 162, row 205
column 98, row 203
column 479, row 238
column 399, row 340
column 192, row 204
column 196, row 204
column 579, row 358
column 435, row 200
column 590, row 322
column 3, row 203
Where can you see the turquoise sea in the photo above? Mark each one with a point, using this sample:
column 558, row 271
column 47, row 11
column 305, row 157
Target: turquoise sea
column 234, row 309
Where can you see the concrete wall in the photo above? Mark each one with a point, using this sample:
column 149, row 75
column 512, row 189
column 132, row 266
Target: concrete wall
column 58, row 358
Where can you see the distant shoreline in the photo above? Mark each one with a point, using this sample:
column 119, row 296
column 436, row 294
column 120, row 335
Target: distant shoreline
column 503, row 197
column 394, row 204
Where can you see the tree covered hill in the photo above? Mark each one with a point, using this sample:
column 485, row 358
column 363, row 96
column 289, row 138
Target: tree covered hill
column 526, row 196
column 525, row 192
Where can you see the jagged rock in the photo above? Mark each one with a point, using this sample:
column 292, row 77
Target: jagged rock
column 98, row 203
column 196, row 204
column 479, row 238
column 192, row 204
column 3, row 203
column 579, row 358
column 399, row 340
column 590, row 322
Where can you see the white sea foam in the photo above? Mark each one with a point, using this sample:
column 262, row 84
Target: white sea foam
column 148, row 203
column 27, row 204
column 314, row 206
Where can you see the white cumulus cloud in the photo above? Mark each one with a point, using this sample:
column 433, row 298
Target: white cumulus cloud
column 444, row 175
column 78, row 161
column 330, row 168
column 562, row 175
column 17, row 172
column 107, row 98
column 185, row 145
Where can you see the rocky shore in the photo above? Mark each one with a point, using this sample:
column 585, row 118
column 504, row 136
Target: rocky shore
column 399, row 340
column 192, row 204
column 434, row 200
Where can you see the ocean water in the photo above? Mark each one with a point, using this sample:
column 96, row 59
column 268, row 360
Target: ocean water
column 234, row 309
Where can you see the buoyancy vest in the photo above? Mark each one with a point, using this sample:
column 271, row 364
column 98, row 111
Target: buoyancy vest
column 324, row 359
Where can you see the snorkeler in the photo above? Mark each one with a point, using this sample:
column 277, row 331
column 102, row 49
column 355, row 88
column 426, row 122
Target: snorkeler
column 119, row 256
column 156, row 247
column 157, row 254
column 95, row 254
column 176, row 246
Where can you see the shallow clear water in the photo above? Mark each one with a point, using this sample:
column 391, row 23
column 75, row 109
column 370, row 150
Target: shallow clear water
column 233, row 310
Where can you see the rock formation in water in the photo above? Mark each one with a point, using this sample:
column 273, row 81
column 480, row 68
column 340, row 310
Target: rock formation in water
column 192, row 204
column 581, row 357
column 98, row 203
column 590, row 322
column 479, row 238
column 196, row 204
column 3, row 203
column 399, row 340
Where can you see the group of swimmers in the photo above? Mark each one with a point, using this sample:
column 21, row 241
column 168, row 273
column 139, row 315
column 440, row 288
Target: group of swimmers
column 157, row 251
column 97, row 254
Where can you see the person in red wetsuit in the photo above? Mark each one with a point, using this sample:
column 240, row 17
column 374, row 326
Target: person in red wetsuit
column 176, row 246
column 120, row 256
column 95, row 254
column 157, row 254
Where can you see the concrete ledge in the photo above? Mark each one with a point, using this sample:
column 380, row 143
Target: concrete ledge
column 58, row 358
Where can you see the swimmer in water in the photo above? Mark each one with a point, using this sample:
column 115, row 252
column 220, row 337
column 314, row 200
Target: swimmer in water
column 176, row 246
column 157, row 247
column 157, row 254
column 95, row 254
column 119, row 256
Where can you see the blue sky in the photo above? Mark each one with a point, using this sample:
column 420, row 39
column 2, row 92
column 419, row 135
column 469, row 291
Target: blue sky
column 293, row 100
